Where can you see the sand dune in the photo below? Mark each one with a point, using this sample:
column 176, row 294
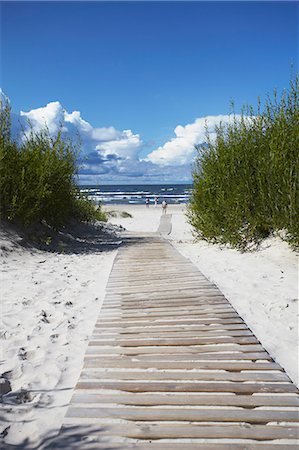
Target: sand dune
column 50, row 302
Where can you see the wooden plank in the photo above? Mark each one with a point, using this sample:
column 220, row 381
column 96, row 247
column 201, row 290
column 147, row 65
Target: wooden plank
column 169, row 312
column 170, row 334
column 230, row 356
column 153, row 328
column 169, row 292
column 157, row 309
column 119, row 284
column 168, row 319
column 180, row 321
column 135, row 363
column 172, row 349
column 116, row 279
column 182, row 414
column 94, row 442
column 181, row 375
column 183, row 399
column 181, row 341
column 174, row 431
column 216, row 301
column 166, row 298
column 162, row 287
column 168, row 386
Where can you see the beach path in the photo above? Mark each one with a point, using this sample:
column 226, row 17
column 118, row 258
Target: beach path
column 165, row 224
column 172, row 366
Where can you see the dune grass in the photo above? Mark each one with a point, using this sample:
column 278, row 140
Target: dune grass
column 246, row 181
column 37, row 178
column 122, row 214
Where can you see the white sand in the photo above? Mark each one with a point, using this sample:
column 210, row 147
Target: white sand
column 143, row 219
column 262, row 285
column 50, row 303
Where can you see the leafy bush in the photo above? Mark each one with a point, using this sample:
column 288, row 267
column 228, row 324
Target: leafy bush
column 246, row 181
column 84, row 210
column 37, row 178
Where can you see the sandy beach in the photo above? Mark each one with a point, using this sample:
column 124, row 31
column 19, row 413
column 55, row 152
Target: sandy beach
column 50, row 302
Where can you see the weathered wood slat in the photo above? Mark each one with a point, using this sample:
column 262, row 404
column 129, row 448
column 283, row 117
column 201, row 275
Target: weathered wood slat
column 174, row 297
column 175, row 341
column 168, row 292
column 94, row 442
column 174, row 431
column 195, row 312
column 165, row 335
column 229, row 356
column 153, row 328
column 171, row 386
column 163, row 288
column 183, row 399
column 182, row 375
column 180, row 321
column 136, row 363
column 150, row 310
column 192, row 415
column 216, row 301
column 173, row 349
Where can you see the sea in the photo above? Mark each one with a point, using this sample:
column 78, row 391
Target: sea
column 138, row 193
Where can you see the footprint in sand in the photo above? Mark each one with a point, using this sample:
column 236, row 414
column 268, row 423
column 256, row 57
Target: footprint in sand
column 26, row 302
column 44, row 317
column 22, row 353
column 54, row 337
column 19, row 397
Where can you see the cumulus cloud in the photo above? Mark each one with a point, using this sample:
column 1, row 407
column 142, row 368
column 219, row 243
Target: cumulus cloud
column 126, row 145
column 180, row 149
column 104, row 140
column 112, row 155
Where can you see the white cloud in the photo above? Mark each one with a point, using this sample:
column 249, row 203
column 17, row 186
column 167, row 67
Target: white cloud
column 51, row 115
column 180, row 149
column 105, row 140
column 114, row 155
column 126, row 145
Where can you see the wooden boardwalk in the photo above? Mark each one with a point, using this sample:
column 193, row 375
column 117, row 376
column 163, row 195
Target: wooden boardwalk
column 172, row 366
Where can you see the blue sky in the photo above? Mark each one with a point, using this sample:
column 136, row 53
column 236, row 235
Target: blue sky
column 153, row 68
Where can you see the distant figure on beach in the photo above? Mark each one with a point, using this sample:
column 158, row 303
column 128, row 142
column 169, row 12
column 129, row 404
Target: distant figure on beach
column 164, row 206
column 156, row 202
column 147, row 202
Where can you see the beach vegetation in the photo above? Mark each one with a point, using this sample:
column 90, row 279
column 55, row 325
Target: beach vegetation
column 125, row 215
column 38, row 178
column 246, row 178
column 111, row 213
column 122, row 214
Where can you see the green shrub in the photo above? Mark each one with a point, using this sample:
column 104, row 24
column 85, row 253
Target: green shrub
column 246, row 181
column 85, row 210
column 37, row 178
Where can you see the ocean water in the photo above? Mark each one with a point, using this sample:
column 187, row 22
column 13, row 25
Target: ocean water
column 137, row 194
